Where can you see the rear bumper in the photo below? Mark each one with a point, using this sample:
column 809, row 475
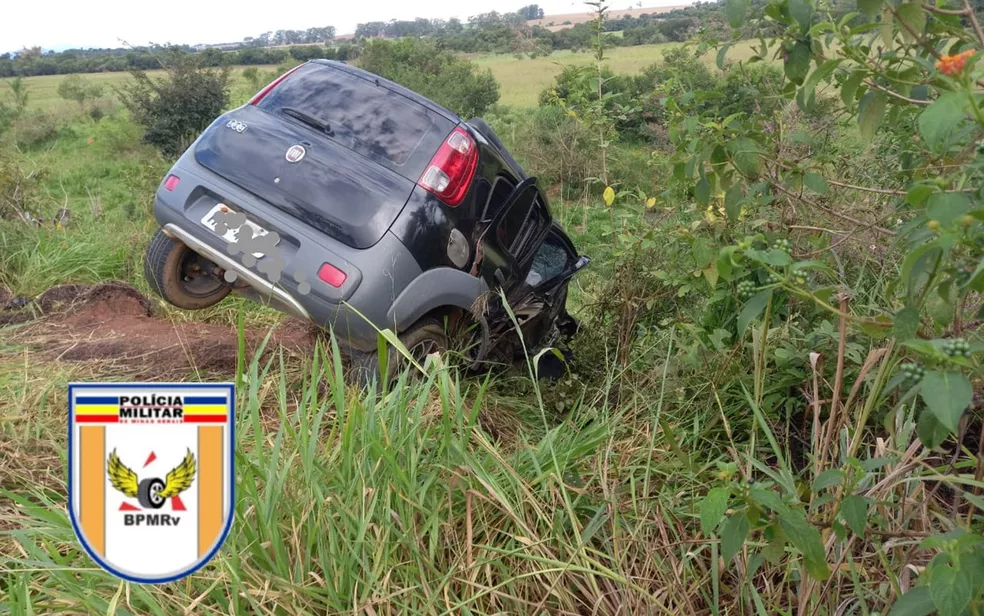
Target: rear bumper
column 266, row 288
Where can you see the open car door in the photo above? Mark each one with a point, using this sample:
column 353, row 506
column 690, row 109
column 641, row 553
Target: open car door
column 513, row 236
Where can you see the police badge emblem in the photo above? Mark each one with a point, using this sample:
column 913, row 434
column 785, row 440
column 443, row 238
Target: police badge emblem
column 151, row 475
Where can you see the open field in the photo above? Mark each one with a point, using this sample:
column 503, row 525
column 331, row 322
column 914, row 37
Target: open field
column 521, row 80
column 560, row 20
column 44, row 89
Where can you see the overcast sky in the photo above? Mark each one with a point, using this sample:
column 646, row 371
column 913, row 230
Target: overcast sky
column 61, row 24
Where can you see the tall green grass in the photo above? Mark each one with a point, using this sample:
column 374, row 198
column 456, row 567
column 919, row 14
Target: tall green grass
column 389, row 503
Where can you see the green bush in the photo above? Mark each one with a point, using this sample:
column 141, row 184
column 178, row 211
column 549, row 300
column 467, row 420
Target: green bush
column 174, row 109
column 549, row 144
column 577, row 84
column 78, row 89
column 33, row 128
column 435, row 73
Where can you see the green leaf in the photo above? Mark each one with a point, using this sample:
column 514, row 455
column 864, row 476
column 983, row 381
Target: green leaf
column 912, row 15
column 938, row 121
column 733, row 534
column 703, row 252
column 732, row 202
column 829, row 478
column 887, row 27
column 854, row 510
column 849, row 88
column 797, row 63
column 918, row 194
column 950, row 590
column 906, row 324
column 721, row 55
column 947, row 207
column 916, row 602
column 774, row 257
column 712, row 509
column 711, row 274
column 871, row 113
column 923, row 347
column 744, row 153
column 752, row 309
column 815, row 182
column 869, row 7
column 802, row 12
column 806, row 538
column 768, row 499
column 947, row 395
column 917, row 261
column 725, row 264
column 976, row 280
column 736, row 10
column 702, row 192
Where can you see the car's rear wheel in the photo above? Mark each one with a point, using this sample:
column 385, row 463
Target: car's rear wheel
column 181, row 276
column 424, row 337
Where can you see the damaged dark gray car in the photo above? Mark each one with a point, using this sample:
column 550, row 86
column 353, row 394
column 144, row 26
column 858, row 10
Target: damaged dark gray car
column 350, row 201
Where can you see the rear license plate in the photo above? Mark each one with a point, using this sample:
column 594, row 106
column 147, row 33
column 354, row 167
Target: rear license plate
column 232, row 234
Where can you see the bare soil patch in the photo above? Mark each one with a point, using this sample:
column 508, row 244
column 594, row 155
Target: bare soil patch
column 113, row 323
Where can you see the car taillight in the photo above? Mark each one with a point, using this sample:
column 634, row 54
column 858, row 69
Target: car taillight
column 273, row 84
column 450, row 172
column 171, row 182
column 332, row 275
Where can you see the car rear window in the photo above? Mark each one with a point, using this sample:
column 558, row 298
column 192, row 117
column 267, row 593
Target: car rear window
column 367, row 118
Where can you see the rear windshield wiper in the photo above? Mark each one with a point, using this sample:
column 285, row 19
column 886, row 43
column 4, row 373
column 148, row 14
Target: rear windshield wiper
column 308, row 119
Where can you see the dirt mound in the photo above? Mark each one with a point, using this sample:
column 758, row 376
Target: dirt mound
column 114, row 324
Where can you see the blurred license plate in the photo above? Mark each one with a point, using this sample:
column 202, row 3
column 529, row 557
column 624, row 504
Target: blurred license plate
column 230, row 235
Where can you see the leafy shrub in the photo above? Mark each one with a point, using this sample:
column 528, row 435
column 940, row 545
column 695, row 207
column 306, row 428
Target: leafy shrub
column 78, row 89
column 18, row 190
column 174, row 109
column 758, row 87
column 681, row 70
column 549, row 144
column 253, row 77
column 12, row 106
column 577, row 84
column 34, row 128
column 435, row 73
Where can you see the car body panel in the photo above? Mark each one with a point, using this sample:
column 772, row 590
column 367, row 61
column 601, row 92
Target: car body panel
column 387, row 234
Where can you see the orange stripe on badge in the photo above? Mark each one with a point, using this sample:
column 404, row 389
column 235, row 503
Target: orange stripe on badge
column 211, row 467
column 92, row 486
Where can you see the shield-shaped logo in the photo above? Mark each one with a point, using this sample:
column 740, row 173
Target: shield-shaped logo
column 151, row 475
column 295, row 153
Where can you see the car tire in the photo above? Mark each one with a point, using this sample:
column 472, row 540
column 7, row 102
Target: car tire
column 169, row 266
column 422, row 338
column 148, row 493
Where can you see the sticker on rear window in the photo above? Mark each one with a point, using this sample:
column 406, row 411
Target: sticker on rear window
column 236, row 125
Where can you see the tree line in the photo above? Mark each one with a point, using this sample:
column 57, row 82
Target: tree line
column 490, row 32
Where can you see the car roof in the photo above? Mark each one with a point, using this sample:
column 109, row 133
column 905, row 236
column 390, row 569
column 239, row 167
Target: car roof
column 390, row 85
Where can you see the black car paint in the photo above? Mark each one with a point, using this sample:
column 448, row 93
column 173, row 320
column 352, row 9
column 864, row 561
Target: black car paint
column 422, row 224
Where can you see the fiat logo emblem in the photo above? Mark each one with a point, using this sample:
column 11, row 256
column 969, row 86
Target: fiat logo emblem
column 295, row 153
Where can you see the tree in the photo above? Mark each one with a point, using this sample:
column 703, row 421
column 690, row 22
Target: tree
column 76, row 88
column 437, row 74
column 370, row 29
column 531, row 12
column 175, row 108
column 483, row 20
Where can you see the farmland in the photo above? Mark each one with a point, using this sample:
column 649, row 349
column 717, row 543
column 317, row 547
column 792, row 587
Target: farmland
column 772, row 406
column 521, row 80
